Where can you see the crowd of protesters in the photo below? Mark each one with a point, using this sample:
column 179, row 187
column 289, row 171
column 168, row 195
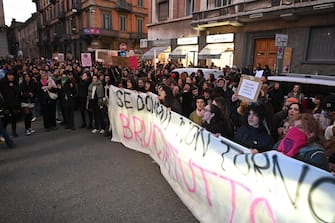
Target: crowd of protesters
column 53, row 90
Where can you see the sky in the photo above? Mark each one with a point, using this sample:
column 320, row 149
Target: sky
column 20, row 10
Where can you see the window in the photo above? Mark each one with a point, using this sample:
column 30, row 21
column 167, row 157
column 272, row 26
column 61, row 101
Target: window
column 217, row 3
column 189, row 7
column 321, row 46
column 69, row 26
column 54, row 13
column 67, row 5
column 123, row 23
column 73, row 26
column 107, row 21
column 140, row 25
column 140, row 3
column 163, row 11
column 88, row 23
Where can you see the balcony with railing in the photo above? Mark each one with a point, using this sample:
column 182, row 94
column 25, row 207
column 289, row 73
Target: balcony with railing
column 76, row 7
column 249, row 10
column 61, row 15
column 123, row 5
column 137, row 35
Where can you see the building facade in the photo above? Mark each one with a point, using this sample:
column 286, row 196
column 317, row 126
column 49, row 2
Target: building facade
column 74, row 26
column 28, row 38
column 3, row 33
column 305, row 31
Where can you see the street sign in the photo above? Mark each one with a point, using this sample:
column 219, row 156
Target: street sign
column 281, row 40
column 280, row 52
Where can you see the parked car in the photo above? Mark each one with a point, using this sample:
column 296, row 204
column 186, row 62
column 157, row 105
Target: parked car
column 206, row 71
column 311, row 85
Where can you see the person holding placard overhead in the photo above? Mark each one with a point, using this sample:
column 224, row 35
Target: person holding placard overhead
column 253, row 134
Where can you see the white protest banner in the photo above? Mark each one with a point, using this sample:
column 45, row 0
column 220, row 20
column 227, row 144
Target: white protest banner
column 86, row 59
column 219, row 180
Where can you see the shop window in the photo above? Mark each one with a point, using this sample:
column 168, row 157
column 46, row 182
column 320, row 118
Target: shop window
column 321, row 46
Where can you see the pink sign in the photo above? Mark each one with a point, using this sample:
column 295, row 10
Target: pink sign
column 86, row 59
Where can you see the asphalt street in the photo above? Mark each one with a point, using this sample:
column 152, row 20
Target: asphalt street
column 77, row 176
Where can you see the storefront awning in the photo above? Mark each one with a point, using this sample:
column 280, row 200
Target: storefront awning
column 181, row 51
column 214, row 51
column 149, row 55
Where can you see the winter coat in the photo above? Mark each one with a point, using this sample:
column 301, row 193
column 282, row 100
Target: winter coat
column 313, row 154
column 67, row 93
column 11, row 94
column 28, row 91
column 254, row 138
column 83, row 88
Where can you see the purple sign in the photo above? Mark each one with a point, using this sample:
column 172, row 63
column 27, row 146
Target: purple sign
column 92, row 31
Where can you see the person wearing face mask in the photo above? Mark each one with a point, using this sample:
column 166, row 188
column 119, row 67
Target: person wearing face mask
column 253, row 134
column 304, row 141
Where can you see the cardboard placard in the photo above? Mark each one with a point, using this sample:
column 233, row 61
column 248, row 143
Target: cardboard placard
column 249, row 88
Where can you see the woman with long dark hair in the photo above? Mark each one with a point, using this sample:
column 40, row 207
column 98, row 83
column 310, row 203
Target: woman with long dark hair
column 212, row 120
column 165, row 97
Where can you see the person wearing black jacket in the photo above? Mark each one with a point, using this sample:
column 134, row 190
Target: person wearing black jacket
column 83, row 84
column 213, row 121
column 27, row 96
column 253, row 134
column 11, row 93
column 67, row 92
column 9, row 142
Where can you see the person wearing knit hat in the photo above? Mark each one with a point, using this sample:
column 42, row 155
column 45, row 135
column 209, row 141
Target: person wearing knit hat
column 292, row 100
